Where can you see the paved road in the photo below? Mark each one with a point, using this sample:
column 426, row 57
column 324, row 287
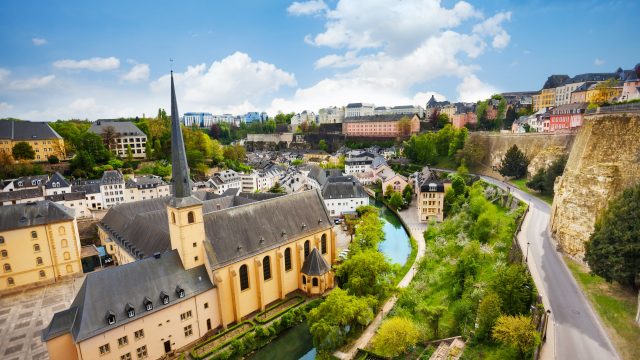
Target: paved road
column 578, row 333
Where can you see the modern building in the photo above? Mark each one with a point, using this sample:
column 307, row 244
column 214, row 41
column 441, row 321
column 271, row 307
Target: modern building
column 40, row 136
column 126, row 135
column 386, row 126
column 198, row 119
column 331, row 115
column 254, row 116
column 200, row 267
column 359, row 109
column 39, row 244
column 568, row 116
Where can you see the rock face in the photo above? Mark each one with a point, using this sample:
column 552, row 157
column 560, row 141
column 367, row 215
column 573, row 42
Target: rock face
column 541, row 148
column 604, row 160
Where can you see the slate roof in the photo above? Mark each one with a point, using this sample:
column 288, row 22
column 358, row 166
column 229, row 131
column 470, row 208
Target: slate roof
column 87, row 187
column 432, row 179
column 145, row 182
column 122, row 128
column 374, row 118
column 591, row 77
column 32, row 214
column 315, row 264
column 357, row 105
column 112, row 289
column 26, row 130
column 66, row 196
column 343, row 187
column 112, row 177
column 57, row 177
column 32, row 193
column 28, row 181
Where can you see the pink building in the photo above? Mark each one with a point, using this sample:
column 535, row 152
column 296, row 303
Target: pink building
column 567, row 116
column 386, row 126
column 460, row 120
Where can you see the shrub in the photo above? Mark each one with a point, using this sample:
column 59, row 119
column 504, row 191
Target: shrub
column 52, row 159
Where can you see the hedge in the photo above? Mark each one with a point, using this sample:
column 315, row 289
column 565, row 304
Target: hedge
column 299, row 300
column 211, row 351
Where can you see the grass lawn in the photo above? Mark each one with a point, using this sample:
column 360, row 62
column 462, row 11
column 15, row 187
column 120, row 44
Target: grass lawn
column 521, row 184
column 616, row 307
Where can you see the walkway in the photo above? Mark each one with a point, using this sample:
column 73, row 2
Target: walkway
column 409, row 217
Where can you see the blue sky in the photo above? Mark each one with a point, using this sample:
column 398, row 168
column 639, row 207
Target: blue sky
column 94, row 59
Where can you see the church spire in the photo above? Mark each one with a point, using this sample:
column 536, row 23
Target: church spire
column 180, row 169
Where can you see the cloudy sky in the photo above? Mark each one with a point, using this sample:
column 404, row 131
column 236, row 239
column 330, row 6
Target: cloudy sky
column 101, row 59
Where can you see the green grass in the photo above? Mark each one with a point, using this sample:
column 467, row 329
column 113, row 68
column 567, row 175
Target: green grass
column 521, row 184
column 615, row 306
column 445, row 162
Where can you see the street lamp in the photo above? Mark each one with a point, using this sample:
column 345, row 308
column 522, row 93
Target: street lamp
column 527, row 256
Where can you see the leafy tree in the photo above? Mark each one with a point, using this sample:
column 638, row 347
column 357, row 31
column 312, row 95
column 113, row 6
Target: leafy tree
column 407, row 193
column 514, row 164
column 388, row 191
column 604, row 91
column 458, row 185
column 613, row 250
column 23, row 151
column 215, row 131
column 277, row 189
column 537, row 182
column 323, row 145
column 442, row 121
column 518, row 332
column 513, row 285
column 366, row 273
column 472, row 152
column 234, row 152
column 457, row 141
column 148, row 149
column 404, row 126
column 489, row 311
column 109, row 135
column 395, row 200
column 52, row 159
column 510, row 117
column 544, row 179
column 466, row 269
column 368, row 232
column 433, row 314
column 129, row 154
column 395, row 336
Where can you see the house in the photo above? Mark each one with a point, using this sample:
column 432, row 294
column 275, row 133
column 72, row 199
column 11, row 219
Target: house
column 631, row 86
column 57, row 184
column 609, row 94
column 331, row 115
column 342, row 194
column 112, row 187
column 146, row 187
column 72, row 200
column 44, row 141
column 359, row 163
column 25, row 182
column 518, row 126
column 303, row 117
column 201, row 266
column 433, row 104
column 21, row 196
column 430, row 197
column 125, row 136
column 563, row 92
column 225, row 180
column 460, row 120
column 91, row 191
column 386, row 126
column 397, row 183
column 568, row 116
column 39, row 244
column 359, row 109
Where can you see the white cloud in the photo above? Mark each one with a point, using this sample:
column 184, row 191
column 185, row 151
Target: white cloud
column 4, row 108
column 350, row 58
column 472, row 89
column 4, row 74
column 93, row 64
column 493, row 27
column 598, row 62
column 31, row 83
column 307, row 7
column 139, row 72
column 38, row 41
column 421, row 98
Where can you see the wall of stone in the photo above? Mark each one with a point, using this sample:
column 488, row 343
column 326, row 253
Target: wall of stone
column 604, row 160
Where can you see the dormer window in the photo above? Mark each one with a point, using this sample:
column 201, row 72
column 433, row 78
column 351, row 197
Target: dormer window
column 130, row 311
column 180, row 291
column 148, row 305
column 164, row 297
column 433, row 187
column 111, row 317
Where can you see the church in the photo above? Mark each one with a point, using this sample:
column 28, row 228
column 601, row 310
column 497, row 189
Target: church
column 191, row 264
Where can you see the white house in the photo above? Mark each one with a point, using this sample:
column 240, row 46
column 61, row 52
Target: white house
column 359, row 109
column 225, row 180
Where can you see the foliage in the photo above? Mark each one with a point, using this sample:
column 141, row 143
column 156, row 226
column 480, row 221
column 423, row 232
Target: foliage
column 395, row 336
column 404, row 126
column 366, row 273
column 52, row 159
column 544, row 180
column 518, row 332
column 277, row 189
column 489, row 311
column 297, row 162
column 514, row 164
column 603, row 91
column 432, row 314
column 407, row 193
column 613, row 250
column 322, row 145
column 515, row 289
column 235, row 152
column 159, row 168
column 472, row 152
column 395, row 200
column 425, row 148
column 368, row 232
column 23, row 151
column 9, row 169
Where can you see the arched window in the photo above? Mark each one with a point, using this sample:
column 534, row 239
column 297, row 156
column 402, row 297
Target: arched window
column 34, row 234
column 323, row 243
column 36, row 247
column 4, row 253
column 38, row 260
column 64, row 243
column 287, row 259
column 244, row 277
column 191, row 217
column 173, row 217
column 306, row 248
column 304, row 280
column 266, row 268
column 7, row 267
column 61, row 230
column 42, row 273
column 10, row 282
column 66, row 255
column 314, row 282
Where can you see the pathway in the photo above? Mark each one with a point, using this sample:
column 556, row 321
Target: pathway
column 416, row 229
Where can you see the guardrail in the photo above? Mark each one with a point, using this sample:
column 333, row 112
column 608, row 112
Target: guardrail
column 622, row 108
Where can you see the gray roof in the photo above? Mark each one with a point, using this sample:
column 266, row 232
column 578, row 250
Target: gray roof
column 114, row 288
column 554, row 81
column 122, row 128
column 432, row 179
column 26, row 130
column 66, row 196
column 343, row 187
column 57, row 177
column 32, row 193
column 145, row 182
column 375, row 118
column 32, row 214
column 112, row 177
column 28, row 181
column 315, row 264
column 87, row 187
column 591, row 77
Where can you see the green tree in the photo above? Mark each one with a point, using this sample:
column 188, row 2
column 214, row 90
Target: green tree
column 366, row 273
column 129, row 154
column 442, row 120
column 514, row 164
column 404, row 126
column 537, row 182
column 407, row 193
column 323, row 145
column 613, row 250
column 472, row 152
column 518, row 332
column 52, row 159
column 513, row 285
column 433, row 314
column 457, row 141
column 395, row 336
column 489, row 311
column 23, row 151
column 277, row 189
column 465, row 269
column 368, row 232
column 396, row 201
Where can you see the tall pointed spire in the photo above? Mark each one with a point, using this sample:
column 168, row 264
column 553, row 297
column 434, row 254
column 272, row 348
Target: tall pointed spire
column 180, row 169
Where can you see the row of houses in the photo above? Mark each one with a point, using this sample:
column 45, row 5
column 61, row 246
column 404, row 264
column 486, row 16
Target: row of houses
column 205, row 119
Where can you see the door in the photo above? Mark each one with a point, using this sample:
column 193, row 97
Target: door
column 167, row 346
column 208, row 324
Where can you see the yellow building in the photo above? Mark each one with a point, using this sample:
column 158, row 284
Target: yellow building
column 431, row 199
column 192, row 265
column 42, row 138
column 547, row 98
column 535, row 102
column 39, row 244
column 595, row 94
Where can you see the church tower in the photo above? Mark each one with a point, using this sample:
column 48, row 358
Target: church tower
column 186, row 223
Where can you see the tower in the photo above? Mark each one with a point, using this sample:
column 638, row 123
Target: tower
column 184, row 211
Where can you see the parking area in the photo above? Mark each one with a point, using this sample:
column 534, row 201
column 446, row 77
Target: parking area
column 23, row 315
column 342, row 238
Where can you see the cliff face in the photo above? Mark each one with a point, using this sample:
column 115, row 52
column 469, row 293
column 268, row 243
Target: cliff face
column 541, row 149
column 604, row 160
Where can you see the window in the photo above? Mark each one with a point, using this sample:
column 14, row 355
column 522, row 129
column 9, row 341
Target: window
column 126, row 356
column 185, row 315
column 173, row 217
column 111, row 318
column 130, row 311
column 64, row 243
column 139, row 334
column 38, row 260
column 188, row 331
column 36, row 247
column 1, row 240
column 34, row 235
column 244, row 278
column 314, row 281
column 191, row 217
column 142, row 352
column 61, row 230
column 323, row 243
column 195, row 244
column 10, row 281
column 206, row 305
column 7, row 267
column 123, row 341
column 304, row 280
column 4, row 253
column 69, row 269
column 66, row 255
column 306, row 248
column 148, row 305
column 105, row 349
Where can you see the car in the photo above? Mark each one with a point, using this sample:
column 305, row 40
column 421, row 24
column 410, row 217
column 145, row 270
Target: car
column 337, row 221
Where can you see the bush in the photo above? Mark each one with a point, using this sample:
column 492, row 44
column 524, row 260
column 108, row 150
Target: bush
column 52, row 159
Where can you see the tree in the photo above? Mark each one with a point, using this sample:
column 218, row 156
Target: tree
column 52, row 159
column 544, row 179
column 368, row 232
column 214, row 131
column 129, row 154
column 407, row 193
column 537, row 182
column 513, row 285
column 518, row 332
column 514, row 164
column 277, row 189
column 148, row 149
column 323, row 145
column 366, row 273
column 442, row 121
column 404, row 126
column 109, row 135
column 388, row 191
column 396, row 201
column 433, row 314
column 472, row 152
column 395, row 336
column 489, row 311
column 23, row 151
column 613, row 250
column 604, row 91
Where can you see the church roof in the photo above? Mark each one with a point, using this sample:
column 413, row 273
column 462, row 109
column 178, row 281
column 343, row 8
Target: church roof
column 179, row 167
column 315, row 264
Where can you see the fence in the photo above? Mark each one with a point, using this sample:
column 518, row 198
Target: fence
column 622, row 108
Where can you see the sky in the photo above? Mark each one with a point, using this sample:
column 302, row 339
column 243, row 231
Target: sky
column 91, row 59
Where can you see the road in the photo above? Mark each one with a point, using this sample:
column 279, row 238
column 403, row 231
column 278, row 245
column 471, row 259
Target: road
column 577, row 333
